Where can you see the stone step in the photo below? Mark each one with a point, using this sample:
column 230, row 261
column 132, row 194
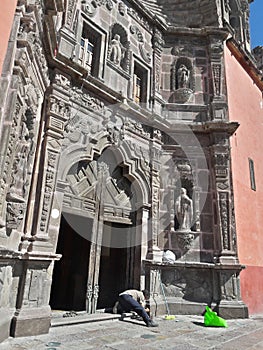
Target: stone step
column 58, row 318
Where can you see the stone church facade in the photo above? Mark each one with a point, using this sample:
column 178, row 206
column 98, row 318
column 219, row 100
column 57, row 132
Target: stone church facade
column 108, row 110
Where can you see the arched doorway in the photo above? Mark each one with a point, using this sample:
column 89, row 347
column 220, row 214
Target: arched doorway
column 99, row 237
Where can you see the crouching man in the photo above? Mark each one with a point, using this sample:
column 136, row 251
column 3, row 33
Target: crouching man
column 135, row 300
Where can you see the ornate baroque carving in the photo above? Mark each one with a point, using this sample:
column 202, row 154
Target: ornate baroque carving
column 90, row 6
column 14, row 214
column 216, row 69
column 224, row 215
column 139, row 18
column 87, row 100
column 157, row 42
column 221, row 164
column 48, row 188
column 146, row 56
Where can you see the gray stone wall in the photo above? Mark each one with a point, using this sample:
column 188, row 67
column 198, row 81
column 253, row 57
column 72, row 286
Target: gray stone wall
column 68, row 95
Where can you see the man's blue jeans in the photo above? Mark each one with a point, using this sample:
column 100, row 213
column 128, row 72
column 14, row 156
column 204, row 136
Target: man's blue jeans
column 127, row 303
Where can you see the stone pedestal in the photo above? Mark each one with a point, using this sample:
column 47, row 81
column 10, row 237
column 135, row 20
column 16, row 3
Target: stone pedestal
column 31, row 321
column 5, row 319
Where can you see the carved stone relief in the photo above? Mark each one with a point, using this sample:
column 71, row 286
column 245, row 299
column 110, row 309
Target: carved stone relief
column 229, row 283
column 221, row 164
column 116, row 135
column 188, row 284
column 17, row 190
column 146, row 56
column 157, row 42
column 48, row 188
column 139, row 18
column 87, row 100
column 90, row 6
column 184, row 168
column 216, row 69
column 61, row 80
column 84, row 184
column 14, row 214
column 122, row 8
column 224, row 214
column 216, row 48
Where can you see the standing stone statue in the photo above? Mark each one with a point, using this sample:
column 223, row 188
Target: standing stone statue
column 184, row 211
column 183, row 76
column 117, row 50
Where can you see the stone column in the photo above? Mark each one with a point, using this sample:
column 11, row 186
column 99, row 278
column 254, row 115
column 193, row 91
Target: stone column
column 154, row 251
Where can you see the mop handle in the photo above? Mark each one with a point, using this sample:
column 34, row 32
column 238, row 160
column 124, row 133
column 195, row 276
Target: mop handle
column 165, row 300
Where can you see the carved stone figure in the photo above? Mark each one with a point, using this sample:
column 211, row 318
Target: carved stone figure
column 184, row 211
column 14, row 214
column 117, row 50
column 183, row 76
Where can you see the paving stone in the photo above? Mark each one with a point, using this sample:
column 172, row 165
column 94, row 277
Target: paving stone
column 184, row 333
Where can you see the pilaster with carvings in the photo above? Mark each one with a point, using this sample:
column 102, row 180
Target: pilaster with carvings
column 225, row 224
column 57, row 112
column 157, row 42
column 216, row 51
column 155, row 157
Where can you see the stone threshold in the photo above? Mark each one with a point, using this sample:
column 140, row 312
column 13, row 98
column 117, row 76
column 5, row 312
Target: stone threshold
column 58, row 320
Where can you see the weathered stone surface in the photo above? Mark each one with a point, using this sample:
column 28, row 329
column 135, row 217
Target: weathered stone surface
column 108, row 111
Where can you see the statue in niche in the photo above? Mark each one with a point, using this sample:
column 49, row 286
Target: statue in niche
column 117, row 50
column 184, row 211
column 183, row 77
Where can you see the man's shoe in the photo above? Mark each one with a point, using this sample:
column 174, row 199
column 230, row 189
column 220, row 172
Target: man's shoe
column 150, row 323
column 115, row 308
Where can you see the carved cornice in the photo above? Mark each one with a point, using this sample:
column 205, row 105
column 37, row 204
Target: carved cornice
column 215, row 126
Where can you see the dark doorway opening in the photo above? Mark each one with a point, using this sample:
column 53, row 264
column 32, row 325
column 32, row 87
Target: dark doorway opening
column 119, row 264
column 69, row 286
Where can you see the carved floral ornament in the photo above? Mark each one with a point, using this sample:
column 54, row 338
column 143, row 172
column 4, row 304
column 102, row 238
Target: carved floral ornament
column 146, row 56
column 61, row 80
column 90, row 7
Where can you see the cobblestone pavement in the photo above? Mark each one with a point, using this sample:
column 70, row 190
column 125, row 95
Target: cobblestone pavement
column 183, row 333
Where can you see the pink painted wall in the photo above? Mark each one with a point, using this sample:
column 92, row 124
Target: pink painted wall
column 7, row 10
column 246, row 107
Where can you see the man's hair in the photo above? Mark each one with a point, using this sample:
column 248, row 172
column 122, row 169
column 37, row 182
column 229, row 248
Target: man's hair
column 146, row 294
